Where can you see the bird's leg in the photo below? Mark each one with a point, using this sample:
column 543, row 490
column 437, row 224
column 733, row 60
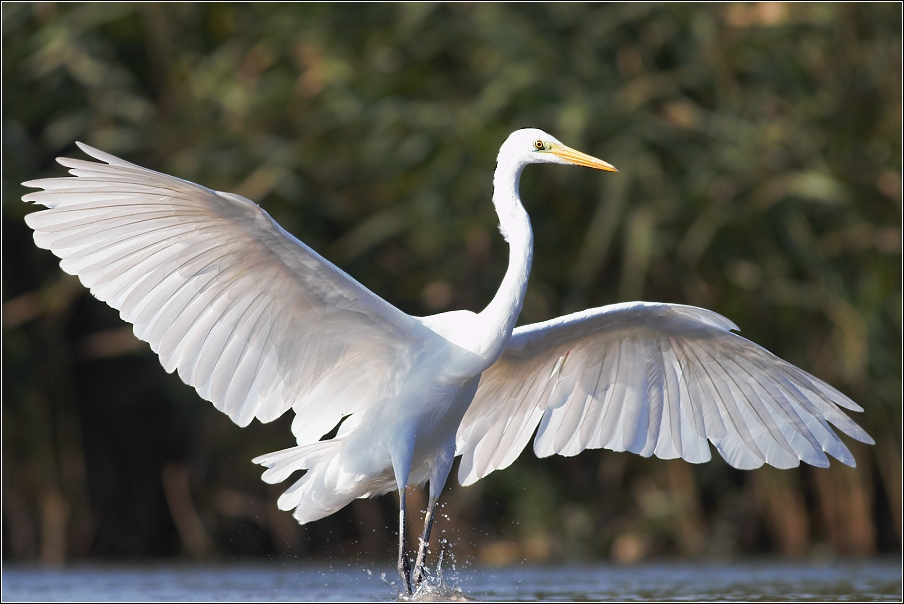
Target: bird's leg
column 425, row 540
column 404, row 562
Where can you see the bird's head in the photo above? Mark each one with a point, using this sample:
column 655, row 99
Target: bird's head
column 533, row 146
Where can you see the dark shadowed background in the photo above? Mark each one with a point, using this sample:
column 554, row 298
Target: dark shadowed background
column 760, row 153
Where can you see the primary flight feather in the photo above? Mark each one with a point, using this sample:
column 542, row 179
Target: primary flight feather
column 258, row 323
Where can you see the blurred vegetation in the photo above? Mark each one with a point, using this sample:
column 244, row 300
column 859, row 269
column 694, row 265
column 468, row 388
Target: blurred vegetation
column 760, row 153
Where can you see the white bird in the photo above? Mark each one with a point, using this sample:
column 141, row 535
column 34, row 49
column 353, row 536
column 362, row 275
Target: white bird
column 259, row 323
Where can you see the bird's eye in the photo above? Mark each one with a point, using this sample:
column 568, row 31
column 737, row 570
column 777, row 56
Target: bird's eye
column 539, row 145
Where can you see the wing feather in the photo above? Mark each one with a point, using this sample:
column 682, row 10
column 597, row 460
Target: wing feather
column 670, row 441
column 593, row 412
column 252, row 318
column 654, row 379
column 655, row 390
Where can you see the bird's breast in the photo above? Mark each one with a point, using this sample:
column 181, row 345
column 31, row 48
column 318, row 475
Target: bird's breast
column 467, row 345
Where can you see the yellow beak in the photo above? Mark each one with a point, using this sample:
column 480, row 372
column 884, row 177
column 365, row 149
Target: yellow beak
column 580, row 159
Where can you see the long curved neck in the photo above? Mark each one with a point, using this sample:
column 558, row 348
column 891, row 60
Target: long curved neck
column 502, row 312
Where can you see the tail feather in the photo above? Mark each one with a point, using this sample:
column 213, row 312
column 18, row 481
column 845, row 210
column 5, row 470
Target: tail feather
column 283, row 463
column 323, row 490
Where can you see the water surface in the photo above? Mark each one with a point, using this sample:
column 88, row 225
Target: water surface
column 283, row 581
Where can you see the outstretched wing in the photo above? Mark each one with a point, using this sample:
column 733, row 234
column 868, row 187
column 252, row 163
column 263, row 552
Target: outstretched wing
column 653, row 379
column 251, row 317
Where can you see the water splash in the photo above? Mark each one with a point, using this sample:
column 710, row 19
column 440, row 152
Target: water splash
column 437, row 587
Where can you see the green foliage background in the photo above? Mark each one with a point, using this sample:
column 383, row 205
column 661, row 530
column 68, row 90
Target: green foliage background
column 760, row 155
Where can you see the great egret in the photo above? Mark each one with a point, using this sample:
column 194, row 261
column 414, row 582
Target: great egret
column 259, row 323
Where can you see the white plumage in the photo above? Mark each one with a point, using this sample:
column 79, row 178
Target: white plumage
column 653, row 379
column 259, row 323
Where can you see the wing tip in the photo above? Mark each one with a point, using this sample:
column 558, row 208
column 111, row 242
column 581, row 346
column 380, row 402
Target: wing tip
column 88, row 149
column 862, row 436
column 31, row 184
column 103, row 156
column 844, row 456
